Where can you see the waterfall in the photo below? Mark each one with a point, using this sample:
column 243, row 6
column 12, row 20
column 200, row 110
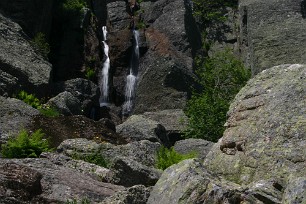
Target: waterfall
column 132, row 77
column 104, row 79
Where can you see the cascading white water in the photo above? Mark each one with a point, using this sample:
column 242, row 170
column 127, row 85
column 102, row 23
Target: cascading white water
column 104, row 78
column 132, row 77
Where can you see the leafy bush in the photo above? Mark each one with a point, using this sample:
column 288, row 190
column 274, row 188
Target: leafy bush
column 39, row 41
column 25, row 145
column 208, row 11
column 73, row 5
column 167, row 157
column 89, row 73
column 31, row 100
column 221, row 76
column 49, row 111
column 94, row 158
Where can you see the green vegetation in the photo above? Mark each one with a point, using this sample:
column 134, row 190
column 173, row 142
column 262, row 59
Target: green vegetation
column 209, row 11
column 25, row 145
column 74, row 6
column 74, row 201
column 94, row 158
column 39, row 42
column 221, row 77
column 89, row 73
column 167, row 157
column 49, row 111
column 31, row 100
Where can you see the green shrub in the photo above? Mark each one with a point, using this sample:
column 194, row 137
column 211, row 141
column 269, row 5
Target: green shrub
column 73, row 5
column 221, row 76
column 74, row 201
column 25, row 145
column 94, row 158
column 167, row 157
column 39, row 42
column 31, row 100
column 49, row 111
column 89, row 73
column 208, row 11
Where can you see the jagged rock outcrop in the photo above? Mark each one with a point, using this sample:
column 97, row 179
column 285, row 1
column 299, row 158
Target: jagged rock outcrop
column 189, row 182
column 21, row 67
column 143, row 151
column 261, row 156
column 129, row 164
column 33, row 16
column 14, row 115
column 279, row 39
column 265, row 135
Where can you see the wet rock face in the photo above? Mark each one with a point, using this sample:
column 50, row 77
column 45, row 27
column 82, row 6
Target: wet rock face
column 21, row 67
column 272, row 33
column 265, row 135
column 165, row 72
column 165, row 52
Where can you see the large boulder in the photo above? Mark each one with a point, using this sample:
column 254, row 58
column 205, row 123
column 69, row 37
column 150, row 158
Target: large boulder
column 21, row 67
column 174, row 120
column 128, row 172
column 41, row 181
column 14, row 115
column 143, row 151
column 66, row 104
column 189, row 182
column 137, row 128
column 265, row 134
column 272, row 33
column 75, row 96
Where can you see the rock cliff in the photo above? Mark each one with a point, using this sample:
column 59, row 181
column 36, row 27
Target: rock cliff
column 261, row 156
column 272, row 33
column 21, row 66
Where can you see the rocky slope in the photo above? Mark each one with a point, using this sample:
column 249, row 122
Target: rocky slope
column 21, row 67
column 261, row 156
column 259, row 159
column 272, row 33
